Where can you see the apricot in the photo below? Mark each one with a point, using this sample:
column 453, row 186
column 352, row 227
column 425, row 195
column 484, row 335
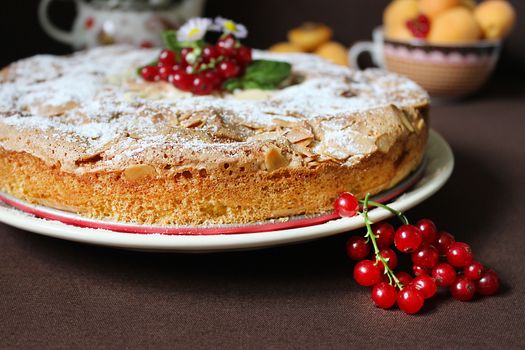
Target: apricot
column 470, row 4
column 454, row 26
column 285, row 47
column 399, row 33
column 433, row 8
column 333, row 52
column 496, row 18
column 310, row 36
column 398, row 12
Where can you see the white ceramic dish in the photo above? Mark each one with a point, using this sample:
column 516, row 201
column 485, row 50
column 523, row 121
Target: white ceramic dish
column 437, row 172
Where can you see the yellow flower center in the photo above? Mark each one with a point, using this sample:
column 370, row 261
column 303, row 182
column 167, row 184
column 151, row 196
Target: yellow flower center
column 230, row 26
column 194, row 32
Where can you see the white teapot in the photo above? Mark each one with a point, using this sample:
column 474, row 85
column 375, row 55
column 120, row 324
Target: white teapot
column 107, row 22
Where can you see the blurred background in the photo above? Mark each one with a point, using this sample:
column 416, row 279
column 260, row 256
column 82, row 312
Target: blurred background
column 267, row 20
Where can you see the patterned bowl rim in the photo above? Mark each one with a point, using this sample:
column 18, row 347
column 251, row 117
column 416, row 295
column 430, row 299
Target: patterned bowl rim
column 416, row 43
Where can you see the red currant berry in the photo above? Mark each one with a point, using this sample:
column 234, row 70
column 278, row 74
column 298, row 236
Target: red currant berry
column 410, row 300
column 346, row 205
column 243, row 55
column 165, row 72
column 408, row 238
column 167, row 58
column 459, row 254
column 183, row 53
column 189, row 69
column 89, row 23
column 226, row 45
column 488, row 284
column 462, row 289
column 404, row 278
column 444, row 241
column 357, row 248
column 209, row 53
column 420, row 271
column 444, row 274
column 146, row 44
column 473, row 271
column 389, row 254
column 149, row 73
column 428, row 229
column 214, row 76
column 182, row 80
column 426, row 285
column 384, row 233
column 229, row 69
column 367, row 273
column 419, row 26
column 202, row 85
column 427, row 257
column 384, row 295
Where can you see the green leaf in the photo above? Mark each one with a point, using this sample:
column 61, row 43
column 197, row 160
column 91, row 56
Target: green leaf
column 265, row 71
column 261, row 74
column 232, row 84
column 250, row 84
column 169, row 37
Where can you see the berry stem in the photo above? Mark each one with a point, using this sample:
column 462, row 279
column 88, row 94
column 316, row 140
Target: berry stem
column 397, row 213
column 372, row 237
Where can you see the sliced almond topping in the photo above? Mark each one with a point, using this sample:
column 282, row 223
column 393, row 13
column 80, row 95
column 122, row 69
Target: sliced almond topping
column 302, row 147
column 89, row 159
column 157, row 118
column 134, row 135
column 284, row 123
column 51, row 110
column 384, row 142
column 404, row 120
column 298, row 135
column 420, row 124
column 136, row 172
column 273, row 159
column 193, row 122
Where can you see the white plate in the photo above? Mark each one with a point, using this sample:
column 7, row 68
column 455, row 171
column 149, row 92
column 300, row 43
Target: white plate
column 437, row 172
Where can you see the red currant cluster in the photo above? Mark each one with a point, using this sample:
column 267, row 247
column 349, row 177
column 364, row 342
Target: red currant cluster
column 200, row 70
column 437, row 260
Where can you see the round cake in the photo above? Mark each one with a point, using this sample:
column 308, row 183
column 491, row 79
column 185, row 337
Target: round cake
column 84, row 133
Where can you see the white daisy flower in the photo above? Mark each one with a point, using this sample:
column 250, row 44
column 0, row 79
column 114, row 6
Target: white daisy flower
column 227, row 26
column 194, row 29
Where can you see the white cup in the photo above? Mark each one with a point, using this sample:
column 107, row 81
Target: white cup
column 374, row 48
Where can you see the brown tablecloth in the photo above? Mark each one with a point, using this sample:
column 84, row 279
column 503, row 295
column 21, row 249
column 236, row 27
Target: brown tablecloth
column 61, row 294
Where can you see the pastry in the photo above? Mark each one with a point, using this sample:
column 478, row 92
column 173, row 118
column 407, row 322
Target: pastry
column 310, row 35
column 285, row 47
column 333, row 52
column 83, row 133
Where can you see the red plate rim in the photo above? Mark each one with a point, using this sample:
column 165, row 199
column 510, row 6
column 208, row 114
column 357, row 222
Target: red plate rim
column 263, row 226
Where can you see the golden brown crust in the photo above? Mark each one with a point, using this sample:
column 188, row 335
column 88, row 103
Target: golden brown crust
column 231, row 195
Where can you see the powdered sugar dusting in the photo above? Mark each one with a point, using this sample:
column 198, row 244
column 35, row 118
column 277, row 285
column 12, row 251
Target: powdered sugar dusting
column 95, row 100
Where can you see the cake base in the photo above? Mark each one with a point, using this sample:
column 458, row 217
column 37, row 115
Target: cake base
column 221, row 196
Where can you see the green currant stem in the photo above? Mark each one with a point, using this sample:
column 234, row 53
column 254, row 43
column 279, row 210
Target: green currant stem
column 370, row 234
column 397, row 213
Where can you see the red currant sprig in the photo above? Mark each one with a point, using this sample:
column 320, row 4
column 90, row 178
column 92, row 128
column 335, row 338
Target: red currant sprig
column 438, row 260
column 392, row 278
column 199, row 69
